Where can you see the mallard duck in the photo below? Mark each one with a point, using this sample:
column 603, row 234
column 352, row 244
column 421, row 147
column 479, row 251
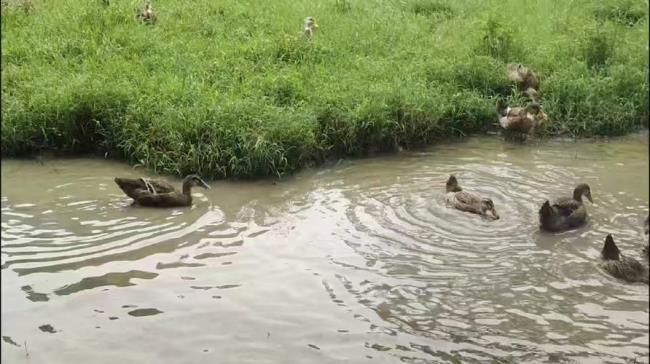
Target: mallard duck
column 469, row 202
column 146, row 15
column 565, row 212
column 518, row 119
column 525, row 79
column 157, row 193
column 309, row 26
column 620, row 266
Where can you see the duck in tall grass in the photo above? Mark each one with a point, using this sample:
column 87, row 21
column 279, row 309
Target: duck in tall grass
column 565, row 212
column 520, row 119
column 525, row 79
column 309, row 26
column 466, row 201
column 158, row 193
column 146, row 14
column 620, row 266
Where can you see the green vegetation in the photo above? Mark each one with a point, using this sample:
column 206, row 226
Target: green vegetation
column 228, row 88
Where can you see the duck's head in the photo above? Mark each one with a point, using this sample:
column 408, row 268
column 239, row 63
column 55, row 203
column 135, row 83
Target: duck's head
column 310, row 23
column 452, row 184
column 582, row 189
column 610, row 250
column 646, row 225
column 488, row 205
column 535, row 108
column 193, row 180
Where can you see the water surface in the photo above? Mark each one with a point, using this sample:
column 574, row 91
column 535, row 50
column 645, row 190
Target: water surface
column 356, row 262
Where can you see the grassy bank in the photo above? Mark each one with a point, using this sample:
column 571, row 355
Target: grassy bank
column 228, row 88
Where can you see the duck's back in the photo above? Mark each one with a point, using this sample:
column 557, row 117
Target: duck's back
column 567, row 203
column 135, row 187
column 628, row 269
column 464, row 201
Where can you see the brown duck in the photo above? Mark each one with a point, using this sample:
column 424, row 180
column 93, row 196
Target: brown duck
column 565, row 212
column 520, row 119
column 466, row 201
column 309, row 26
column 620, row 266
column 146, row 14
column 525, row 79
column 157, row 193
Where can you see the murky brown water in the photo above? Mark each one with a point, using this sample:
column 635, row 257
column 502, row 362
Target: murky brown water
column 359, row 262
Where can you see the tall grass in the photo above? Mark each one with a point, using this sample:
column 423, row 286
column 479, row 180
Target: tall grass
column 229, row 88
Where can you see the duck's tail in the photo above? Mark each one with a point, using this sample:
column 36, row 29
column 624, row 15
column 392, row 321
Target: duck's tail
column 610, row 250
column 545, row 211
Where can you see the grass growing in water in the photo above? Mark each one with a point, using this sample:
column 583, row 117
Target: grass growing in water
column 229, row 88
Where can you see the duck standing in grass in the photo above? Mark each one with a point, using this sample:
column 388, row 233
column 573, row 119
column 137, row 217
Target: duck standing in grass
column 519, row 119
column 525, row 79
column 565, row 212
column 309, row 26
column 469, row 202
column 620, row 266
column 146, row 15
column 157, row 193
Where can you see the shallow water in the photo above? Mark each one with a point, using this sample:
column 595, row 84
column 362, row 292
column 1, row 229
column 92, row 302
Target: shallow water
column 357, row 262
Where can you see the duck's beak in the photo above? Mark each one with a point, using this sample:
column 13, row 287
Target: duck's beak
column 205, row 185
column 589, row 197
column 494, row 213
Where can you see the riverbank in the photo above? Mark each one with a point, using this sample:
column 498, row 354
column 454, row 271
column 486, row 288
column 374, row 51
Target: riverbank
column 230, row 89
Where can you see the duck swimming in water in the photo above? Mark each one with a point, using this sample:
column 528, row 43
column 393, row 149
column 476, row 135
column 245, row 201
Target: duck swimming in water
column 157, row 193
column 620, row 266
column 565, row 212
column 466, row 201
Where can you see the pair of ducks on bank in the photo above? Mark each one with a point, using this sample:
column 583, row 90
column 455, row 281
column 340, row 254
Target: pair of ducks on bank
column 562, row 214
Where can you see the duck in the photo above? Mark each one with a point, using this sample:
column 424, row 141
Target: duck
column 525, row 79
column 146, row 15
column 157, row 193
column 469, row 202
column 309, row 26
column 519, row 119
column 565, row 212
column 620, row 266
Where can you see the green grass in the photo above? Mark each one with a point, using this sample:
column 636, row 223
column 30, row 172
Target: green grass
column 228, row 88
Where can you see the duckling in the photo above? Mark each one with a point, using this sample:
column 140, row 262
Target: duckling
column 518, row 119
column 309, row 26
column 146, row 15
column 156, row 193
column 525, row 79
column 620, row 266
column 469, row 202
column 565, row 212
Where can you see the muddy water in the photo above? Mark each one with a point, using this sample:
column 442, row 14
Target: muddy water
column 357, row 262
